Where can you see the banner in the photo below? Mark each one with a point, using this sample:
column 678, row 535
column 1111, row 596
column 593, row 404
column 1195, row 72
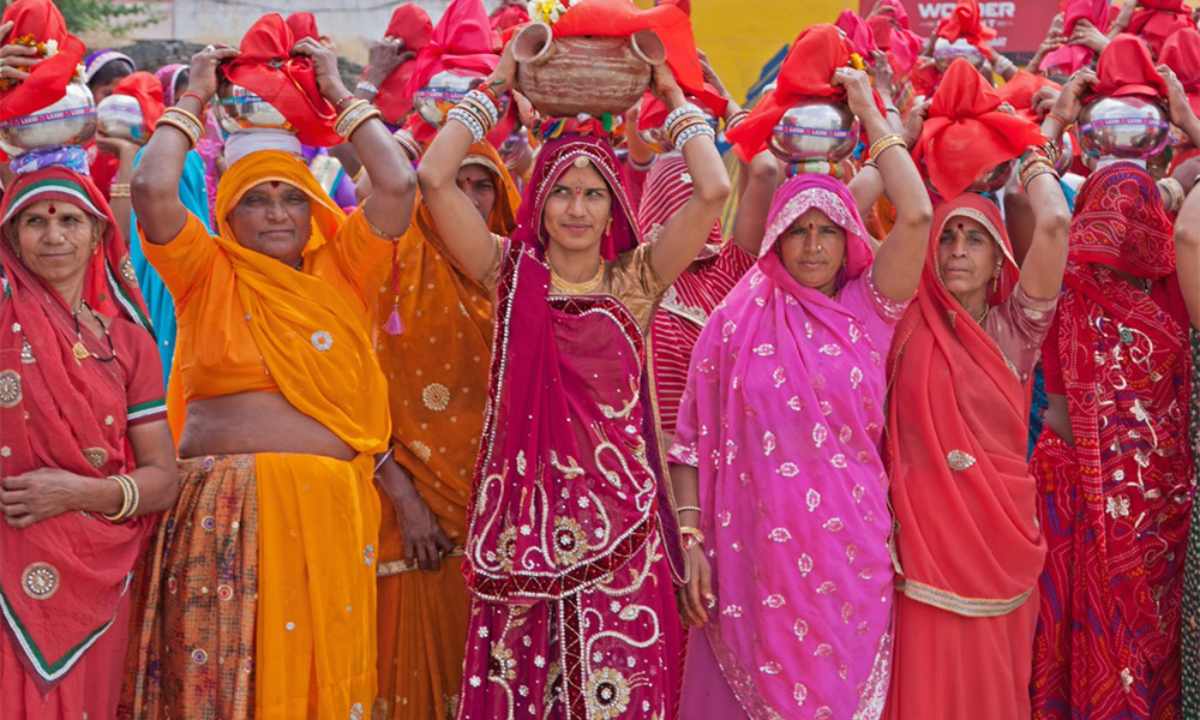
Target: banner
column 1020, row 25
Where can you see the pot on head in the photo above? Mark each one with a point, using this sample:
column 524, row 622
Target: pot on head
column 946, row 52
column 239, row 109
column 1129, row 127
column 445, row 90
column 816, row 129
column 69, row 121
column 570, row 76
column 120, row 116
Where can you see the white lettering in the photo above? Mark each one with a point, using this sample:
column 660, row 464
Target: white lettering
column 934, row 11
column 990, row 10
column 994, row 10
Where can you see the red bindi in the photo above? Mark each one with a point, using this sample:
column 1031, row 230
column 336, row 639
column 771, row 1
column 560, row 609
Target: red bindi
column 52, row 210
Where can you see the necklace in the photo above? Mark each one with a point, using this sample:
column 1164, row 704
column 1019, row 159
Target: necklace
column 979, row 320
column 577, row 288
column 79, row 350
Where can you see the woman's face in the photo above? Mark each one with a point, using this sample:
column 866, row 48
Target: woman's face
column 479, row 185
column 813, row 249
column 55, row 240
column 967, row 256
column 275, row 219
column 578, row 209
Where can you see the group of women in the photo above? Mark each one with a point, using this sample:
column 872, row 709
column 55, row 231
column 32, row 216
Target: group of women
column 496, row 439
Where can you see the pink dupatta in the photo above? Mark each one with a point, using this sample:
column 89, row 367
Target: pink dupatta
column 783, row 416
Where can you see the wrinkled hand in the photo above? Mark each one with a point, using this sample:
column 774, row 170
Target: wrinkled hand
column 1070, row 101
column 858, row 91
column 202, row 75
column 1187, row 173
column 665, row 87
column 1043, row 100
column 325, row 65
column 39, row 495
column 14, row 58
column 385, row 56
column 1180, row 109
column 696, row 598
column 914, row 123
column 1089, row 36
column 424, row 540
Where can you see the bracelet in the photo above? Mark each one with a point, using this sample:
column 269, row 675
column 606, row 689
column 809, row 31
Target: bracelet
column 469, row 121
column 693, row 132
column 691, row 537
column 1175, row 193
column 356, row 113
column 682, row 125
column 344, row 103
column 885, row 143
column 489, row 102
column 367, row 88
column 118, row 190
column 194, row 94
column 684, row 508
column 408, row 144
column 1035, row 166
column 736, row 119
column 185, row 115
column 130, row 499
column 179, row 125
column 641, row 167
column 487, row 90
column 680, row 112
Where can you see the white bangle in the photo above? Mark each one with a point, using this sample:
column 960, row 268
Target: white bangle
column 367, row 88
column 692, row 133
column 679, row 112
column 467, row 120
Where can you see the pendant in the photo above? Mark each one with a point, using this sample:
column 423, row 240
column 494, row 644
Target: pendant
column 81, row 353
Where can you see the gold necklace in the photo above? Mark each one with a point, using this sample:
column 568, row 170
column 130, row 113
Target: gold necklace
column 583, row 286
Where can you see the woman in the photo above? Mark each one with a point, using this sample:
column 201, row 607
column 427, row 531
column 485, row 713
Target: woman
column 174, row 81
column 969, row 550
column 85, row 454
column 436, row 356
column 777, row 453
column 1113, row 465
column 263, row 598
column 103, row 69
column 578, row 618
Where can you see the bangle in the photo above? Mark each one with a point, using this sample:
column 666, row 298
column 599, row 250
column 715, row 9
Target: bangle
column 169, row 120
column 691, row 537
column 118, row 190
column 130, row 499
column 1035, row 166
column 641, row 167
column 693, row 132
column 193, row 94
column 1053, row 115
column 885, row 143
column 685, row 508
column 345, row 101
column 680, row 112
column 356, row 113
column 408, row 144
column 468, row 120
column 489, row 93
column 367, row 88
column 186, row 115
column 736, row 119
column 1175, row 193
column 681, row 126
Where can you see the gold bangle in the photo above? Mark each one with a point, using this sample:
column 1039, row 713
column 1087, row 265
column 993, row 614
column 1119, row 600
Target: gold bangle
column 187, row 118
column 186, row 113
column 408, row 144
column 367, row 116
column 126, row 499
column 885, row 143
column 1175, row 192
column 736, row 119
column 1034, row 167
column 688, row 121
column 352, row 112
column 685, row 508
column 692, row 532
column 118, row 190
column 168, row 121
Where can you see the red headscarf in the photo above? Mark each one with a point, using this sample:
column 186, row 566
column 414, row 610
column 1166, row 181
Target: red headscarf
column 462, row 40
column 966, row 22
column 147, row 90
column 1070, row 58
column 411, row 24
column 267, row 68
column 893, row 36
column 1019, row 92
column 507, row 18
column 1156, row 20
column 303, row 25
column 860, row 35
column 1120, row 223
column 1125, row 68
column 1181, row 53
column 47, row 81
column 966, row 134
column 805, row 73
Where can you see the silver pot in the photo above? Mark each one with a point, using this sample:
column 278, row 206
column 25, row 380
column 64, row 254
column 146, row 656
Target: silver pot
column 439, row 96
column 817, row 129
column 70, row 121
column 994, row 179
column 1067, row 157
column 120, row 116
column 239, row 109
column 1130, row 127
column 946, row 52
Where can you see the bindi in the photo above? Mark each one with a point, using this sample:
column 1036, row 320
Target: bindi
column 52, row 210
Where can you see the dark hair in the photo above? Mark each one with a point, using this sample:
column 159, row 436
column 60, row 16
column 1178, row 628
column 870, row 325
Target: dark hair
column 111, row 71
column 181, row 83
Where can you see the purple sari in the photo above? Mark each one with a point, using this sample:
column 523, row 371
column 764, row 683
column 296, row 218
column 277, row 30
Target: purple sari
column 572, row 547
column 783, row 416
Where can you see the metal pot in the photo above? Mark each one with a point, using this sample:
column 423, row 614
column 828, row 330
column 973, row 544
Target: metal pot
column 239, row 109
column 1129, row 127
column 818, row 129
column 445, row 90
column 946, row 52
column 70, row 121
column 120, row 116
column 992, row 180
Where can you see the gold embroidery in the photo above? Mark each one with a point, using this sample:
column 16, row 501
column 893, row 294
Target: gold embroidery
column 40, row 581
column 436, row 397
column 10, row 388
column 96, row 457
column 959, row 605
column 960, row 461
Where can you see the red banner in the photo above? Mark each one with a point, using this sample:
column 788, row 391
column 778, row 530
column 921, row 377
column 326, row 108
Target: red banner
column 1020, row 25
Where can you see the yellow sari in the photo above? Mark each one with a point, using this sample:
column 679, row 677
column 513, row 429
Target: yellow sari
column 437, row 372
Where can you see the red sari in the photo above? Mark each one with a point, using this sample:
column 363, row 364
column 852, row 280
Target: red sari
column 1115, row 506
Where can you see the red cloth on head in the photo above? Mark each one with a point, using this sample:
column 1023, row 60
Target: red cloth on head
column 805, row 73
column 619, row 18
column 462, row 40
column 966, row 22
column 1125, row 68
column 965, row 133
column 1156, row 20
column 860, row 35
column 1181, row 53
column 1070, row 58
column 1019, row 91
column 47, row 81
column 147, row 90
column 508, row 17
column 890, row 30
column 266, row 67
column 411, row 24
column 303, row 25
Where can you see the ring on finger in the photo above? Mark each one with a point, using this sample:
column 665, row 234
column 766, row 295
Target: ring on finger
column 710, row 602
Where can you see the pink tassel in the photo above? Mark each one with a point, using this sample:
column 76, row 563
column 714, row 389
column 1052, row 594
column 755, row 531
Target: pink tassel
column 394, row 326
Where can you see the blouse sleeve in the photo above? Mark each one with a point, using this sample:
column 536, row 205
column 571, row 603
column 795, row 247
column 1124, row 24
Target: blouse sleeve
column 184, row 261
column 492, row 278
column 144, row 398
column 635, row 283
column 1019, row 326
column 362, row 255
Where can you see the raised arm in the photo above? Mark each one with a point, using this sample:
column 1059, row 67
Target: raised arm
column 897, row 269
column 867, row 186
column 1187, row 254
column 155, row 185
column 684, row 234
column 763, row 175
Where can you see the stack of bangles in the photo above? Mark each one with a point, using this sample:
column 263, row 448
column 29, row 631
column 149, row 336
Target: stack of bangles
column 1173, row 194
column 131, row 499
column 183, row 121
column 357, row 112
column 885, row 143
column 408, row 144
column 478, row 111
column 736, row 119
column 686, row 123
column 1033, row 165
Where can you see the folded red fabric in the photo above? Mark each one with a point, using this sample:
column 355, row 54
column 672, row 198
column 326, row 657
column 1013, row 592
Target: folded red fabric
column 47, row 81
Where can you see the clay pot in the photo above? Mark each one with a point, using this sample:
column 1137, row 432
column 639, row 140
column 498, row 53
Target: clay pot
column 565, row 77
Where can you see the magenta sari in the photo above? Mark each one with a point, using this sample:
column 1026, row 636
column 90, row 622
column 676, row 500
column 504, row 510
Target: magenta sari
column 783, row 416
column 572, row 547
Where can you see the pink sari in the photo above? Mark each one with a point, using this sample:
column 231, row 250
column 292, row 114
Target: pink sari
column 783, row 416
column 572, row 546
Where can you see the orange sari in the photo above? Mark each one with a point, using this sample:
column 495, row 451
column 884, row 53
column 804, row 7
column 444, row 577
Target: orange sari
column 437, row 371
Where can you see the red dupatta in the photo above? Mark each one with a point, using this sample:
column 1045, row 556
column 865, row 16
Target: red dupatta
column 963, row 497
column 62, row 579
column 47, row 81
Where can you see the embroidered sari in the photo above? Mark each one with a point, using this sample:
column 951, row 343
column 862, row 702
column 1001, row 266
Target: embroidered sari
column 1115, row 506
column 64, row 581
column 969, row 550
column 437, row 369
column 572, row 546
column 783, row 417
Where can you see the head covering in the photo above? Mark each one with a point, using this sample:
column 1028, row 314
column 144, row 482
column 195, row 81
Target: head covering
column 554, row 160
column 240, row 144
column 786, row 388
column 462, row 40
column 966, row 134
column 953, row 392
column 303, row 25
column 1156, row 20
column 168, row 77
column 71, row 415
column 98, row 59
column 507, row 18
column 47, row 81
column 965, row 22
column 1181, row 53
column 1069, row 59
column 411, row 24
column 1120, row 223
column 1019, row 91
column 805, row 73
column 860, row 35
column 147, row 90
column 890, row 27
column 1126, row 68
column 267, row 67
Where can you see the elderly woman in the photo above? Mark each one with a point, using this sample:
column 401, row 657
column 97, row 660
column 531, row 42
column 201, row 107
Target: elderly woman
column 777, row 457
column 263, row 602
column 86, row 458
column 571, row 545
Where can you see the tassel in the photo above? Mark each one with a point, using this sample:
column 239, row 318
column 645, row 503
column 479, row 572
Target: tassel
column 394, row 325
